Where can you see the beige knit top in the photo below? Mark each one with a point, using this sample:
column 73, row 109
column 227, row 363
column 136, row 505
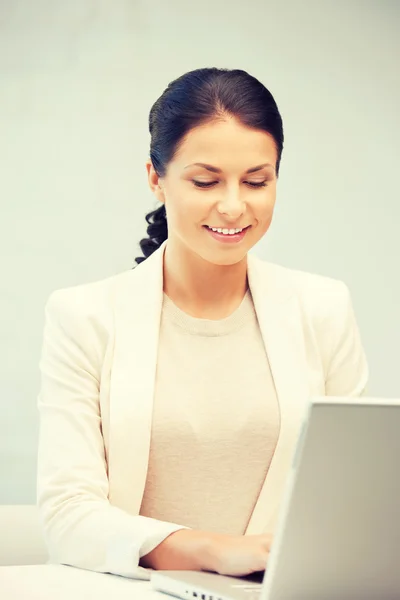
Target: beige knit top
column 215, row 421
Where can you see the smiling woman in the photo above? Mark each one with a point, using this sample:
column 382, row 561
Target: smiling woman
column 172, row 394
column 232, row 196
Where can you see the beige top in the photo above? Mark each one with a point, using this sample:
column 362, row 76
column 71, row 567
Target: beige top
column 215, row 421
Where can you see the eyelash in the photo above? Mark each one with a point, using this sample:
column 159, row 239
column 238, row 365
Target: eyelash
column 201, row 184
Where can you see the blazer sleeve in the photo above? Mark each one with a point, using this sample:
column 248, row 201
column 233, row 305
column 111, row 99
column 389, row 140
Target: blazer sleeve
column 80, row 526
column 346, row 364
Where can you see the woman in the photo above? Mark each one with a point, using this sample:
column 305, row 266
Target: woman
column 172, row 394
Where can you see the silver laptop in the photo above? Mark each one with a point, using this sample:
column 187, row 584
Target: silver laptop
column 338, row 532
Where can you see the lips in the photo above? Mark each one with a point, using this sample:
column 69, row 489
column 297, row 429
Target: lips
column 227, row 238
column 226, row 230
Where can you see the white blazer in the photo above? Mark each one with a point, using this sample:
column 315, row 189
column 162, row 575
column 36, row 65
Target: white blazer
column 98, row 370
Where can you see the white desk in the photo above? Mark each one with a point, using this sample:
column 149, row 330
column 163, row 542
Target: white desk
column 53, row 582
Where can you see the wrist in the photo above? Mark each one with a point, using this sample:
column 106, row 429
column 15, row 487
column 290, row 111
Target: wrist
column 185, row 550
column 210, row 552
column 198, row 550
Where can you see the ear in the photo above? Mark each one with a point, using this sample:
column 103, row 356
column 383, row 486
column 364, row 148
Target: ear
column 155, row 182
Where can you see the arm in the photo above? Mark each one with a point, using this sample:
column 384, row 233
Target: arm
column 184, row 550
column 80, row 525
column 346, row 364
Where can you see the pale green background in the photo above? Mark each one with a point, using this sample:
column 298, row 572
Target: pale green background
column 77, row 79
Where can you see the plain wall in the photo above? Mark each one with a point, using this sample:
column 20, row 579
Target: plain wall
column 77, row 80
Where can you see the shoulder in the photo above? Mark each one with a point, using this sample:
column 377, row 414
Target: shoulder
column 80, row 320
column 93, row 297
column 84, row 314
column 329, row 325
column 91, row 308
column 318, row 296
column 99, row 298
column 319, row 293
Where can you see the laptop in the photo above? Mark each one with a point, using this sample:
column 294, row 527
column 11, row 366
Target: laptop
column 338, row 531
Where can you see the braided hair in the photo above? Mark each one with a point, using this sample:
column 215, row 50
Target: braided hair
column 157, row 231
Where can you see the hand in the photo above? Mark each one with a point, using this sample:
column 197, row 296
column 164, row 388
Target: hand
column 187, row 550
column 240, row 555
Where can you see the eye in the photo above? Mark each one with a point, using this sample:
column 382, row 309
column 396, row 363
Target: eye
column 261, row 184
column 203, row 184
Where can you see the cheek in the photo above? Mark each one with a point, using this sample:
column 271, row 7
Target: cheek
column 264, row 207
column 185, row 208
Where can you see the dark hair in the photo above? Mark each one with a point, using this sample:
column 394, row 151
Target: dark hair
column 191, row 100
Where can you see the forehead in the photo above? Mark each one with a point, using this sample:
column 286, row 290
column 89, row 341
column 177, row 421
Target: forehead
column 226, row 144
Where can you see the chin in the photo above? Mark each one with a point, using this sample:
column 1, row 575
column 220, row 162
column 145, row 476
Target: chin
column 224, row 259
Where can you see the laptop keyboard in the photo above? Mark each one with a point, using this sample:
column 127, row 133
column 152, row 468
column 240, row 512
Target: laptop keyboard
column 252, row 591
column 252, row 595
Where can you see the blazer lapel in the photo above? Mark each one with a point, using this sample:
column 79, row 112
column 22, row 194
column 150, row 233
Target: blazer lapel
column 138, row 306
column 280, row 322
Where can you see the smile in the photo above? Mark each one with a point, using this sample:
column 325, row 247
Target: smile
column 225, row 231
column 224, row 235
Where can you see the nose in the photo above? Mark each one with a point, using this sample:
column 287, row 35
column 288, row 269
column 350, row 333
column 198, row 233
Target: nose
column 231, row 205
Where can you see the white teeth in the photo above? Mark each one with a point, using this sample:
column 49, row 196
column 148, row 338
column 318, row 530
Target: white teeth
column 226, row 231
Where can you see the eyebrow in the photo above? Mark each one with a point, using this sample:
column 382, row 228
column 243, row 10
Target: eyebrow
column 216, row 170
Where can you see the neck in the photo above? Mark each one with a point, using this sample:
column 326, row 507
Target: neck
column 200, row 288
